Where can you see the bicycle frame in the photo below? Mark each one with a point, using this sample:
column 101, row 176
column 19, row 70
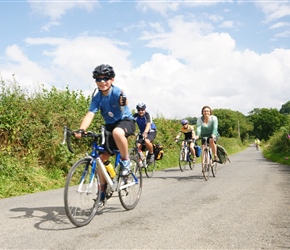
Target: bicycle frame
column 83, row 190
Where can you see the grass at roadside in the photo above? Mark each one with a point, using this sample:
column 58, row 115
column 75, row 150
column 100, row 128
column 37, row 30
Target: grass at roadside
column 19, row 179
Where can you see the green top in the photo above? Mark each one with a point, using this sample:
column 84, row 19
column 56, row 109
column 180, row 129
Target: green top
column 209, row 129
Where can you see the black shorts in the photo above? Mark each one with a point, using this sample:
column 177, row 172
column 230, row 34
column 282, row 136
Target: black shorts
column 203, row 141
column 127, row 125
column 150, row 136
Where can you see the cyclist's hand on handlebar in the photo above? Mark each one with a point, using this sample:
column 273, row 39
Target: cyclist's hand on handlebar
column 78, row 134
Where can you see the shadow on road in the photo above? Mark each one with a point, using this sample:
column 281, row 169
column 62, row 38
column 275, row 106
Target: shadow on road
column 47, row 218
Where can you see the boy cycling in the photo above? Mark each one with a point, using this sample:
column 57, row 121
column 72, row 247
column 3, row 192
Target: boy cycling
column 147, row 128
column 189, row 134
column 118, row 118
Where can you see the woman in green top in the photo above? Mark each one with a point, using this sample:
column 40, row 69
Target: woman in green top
column 207, row 126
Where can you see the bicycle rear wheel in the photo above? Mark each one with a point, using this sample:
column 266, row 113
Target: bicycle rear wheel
column 150, row 168
column 130, row 187
column 214, row 169
column 80, row 194
column 182, row 160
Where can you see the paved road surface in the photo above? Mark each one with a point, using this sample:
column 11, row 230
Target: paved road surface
column 247, row 206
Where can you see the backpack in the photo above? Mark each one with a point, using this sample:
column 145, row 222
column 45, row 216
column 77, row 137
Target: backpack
column 197, row 151
column 158, row 151
column 222, row 155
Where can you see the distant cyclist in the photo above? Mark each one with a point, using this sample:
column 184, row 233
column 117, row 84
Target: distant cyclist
column 189, row 134
column 147, row 129
column 257, row 143
column 207, row 126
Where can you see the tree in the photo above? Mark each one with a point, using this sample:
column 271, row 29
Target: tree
column 232, row 124
column 285, row 109
column 266, row 122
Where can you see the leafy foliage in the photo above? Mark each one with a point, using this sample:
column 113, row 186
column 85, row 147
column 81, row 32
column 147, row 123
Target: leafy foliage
column 32, row 157
column 266, row 122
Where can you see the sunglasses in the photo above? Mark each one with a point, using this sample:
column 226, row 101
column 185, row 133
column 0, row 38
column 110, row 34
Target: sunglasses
column 141, row 109
column 105, row 79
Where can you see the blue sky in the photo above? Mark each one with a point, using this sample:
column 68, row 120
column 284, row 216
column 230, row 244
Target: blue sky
column 176, row 56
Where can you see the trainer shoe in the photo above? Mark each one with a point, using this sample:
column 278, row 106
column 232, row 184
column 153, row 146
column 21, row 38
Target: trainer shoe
column 125, row 167
column 151, row 158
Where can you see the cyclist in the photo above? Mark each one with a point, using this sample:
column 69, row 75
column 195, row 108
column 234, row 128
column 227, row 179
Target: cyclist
column 112, row 103
column 189, row 134
column 207, row 126
column 257, row 143
column 147, row 128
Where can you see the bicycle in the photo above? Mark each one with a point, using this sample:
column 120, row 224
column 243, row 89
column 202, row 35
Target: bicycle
column 185, row 156
column 207, row 163
column 82, row 190
column 149, row 168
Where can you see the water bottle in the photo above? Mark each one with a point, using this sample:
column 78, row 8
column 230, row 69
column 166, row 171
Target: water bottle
column 141, row 155
column 110, row 169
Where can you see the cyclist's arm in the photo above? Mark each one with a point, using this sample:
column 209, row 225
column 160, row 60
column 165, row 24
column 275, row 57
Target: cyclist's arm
column 215, row 126
column 85, row 123
column 198, row 127
column 177, row 137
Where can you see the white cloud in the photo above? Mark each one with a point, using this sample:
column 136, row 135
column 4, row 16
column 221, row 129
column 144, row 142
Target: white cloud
column 57, row 9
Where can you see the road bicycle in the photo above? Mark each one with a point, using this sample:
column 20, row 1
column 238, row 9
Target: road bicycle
column 82, row 190
column 149, row 168
column 207, row 164
column 185, row 156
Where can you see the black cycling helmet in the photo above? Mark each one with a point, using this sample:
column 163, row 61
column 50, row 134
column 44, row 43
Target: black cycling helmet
column 141, row 106
column 104, row 70
column 183, row 122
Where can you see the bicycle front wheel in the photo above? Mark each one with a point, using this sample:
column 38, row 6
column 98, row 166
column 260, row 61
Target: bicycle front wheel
column 182, row 160
column 81, row 193
column 130, row 187
column 205, row 165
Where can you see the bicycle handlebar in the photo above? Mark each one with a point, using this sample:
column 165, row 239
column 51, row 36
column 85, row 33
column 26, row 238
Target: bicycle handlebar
column 104, row 136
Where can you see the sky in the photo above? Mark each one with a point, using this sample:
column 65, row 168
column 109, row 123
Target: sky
column 174, row 56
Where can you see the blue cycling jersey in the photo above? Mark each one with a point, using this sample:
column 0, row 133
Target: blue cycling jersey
column 143, row 120
column 110, row 107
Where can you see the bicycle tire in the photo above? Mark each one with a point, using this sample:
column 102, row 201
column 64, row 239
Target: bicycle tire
column 150, row 168
column 214, row 169
column 205, row 165
column 130, row 196
column 80, row 198
column 182, row 160
column 191, row 163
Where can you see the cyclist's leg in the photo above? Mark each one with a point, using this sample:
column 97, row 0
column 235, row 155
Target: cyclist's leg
column 212, row 144
column 104, row 157
column 120, row 131
column 191, row 146
column 149, row 145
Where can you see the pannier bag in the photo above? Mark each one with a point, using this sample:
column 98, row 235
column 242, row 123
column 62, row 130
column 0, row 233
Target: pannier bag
column 158, row 151
column 197, row 151
column 222, row 155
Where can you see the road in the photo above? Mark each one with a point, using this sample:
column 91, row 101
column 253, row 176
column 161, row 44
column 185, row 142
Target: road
column 247, row 206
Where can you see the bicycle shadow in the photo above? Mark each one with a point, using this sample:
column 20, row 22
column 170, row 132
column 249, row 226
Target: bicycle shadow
column 55, row 218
